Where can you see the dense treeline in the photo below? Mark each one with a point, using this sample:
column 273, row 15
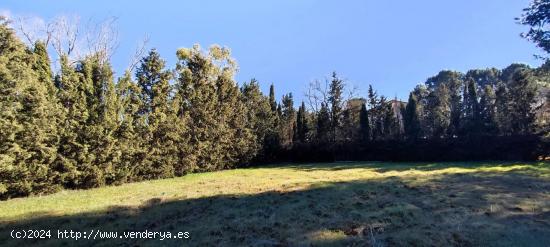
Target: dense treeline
column 80, row 127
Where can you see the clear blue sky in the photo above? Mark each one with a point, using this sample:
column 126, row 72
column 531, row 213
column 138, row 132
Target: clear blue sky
column 391, row 44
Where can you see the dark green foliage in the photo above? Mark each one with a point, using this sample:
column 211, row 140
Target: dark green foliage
column 335, row 100
column 364, row 124
column 288, row 120
column 323, row 124
column 161, row 132
column 28, row 131
column 521, row 101
column 472, row 113
column 302, row 128
column 260, row 118
column 411, row 119
column 488, row 111
column 216, row 115
column 537, row 16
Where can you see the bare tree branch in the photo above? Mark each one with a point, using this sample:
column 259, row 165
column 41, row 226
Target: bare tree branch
column 139, row 53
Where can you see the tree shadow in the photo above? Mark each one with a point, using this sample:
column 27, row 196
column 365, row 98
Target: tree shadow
column 468, row 209
column 404, row 166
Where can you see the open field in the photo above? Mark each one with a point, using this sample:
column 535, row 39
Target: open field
column 350, row 204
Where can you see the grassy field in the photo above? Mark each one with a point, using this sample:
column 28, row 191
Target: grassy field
column 335, row 204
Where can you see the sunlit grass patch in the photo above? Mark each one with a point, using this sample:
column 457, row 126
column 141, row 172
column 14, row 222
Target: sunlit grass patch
column 346, row 203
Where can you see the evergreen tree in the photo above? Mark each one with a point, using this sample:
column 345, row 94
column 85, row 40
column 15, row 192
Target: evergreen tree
column 374, row 104
column 411, row 119
column 131, row 144
column 437, row 112
column 28, row 139
column 288, row 120
column 364, row 124
column 522, row 99
column 323, row 124
column 503, row 110
column 488, row 111
column 301, row 124
column 211, row 100
column 272, row 101
column 260, row 117
column 472, row 112
column 160, row 133
column 335, row 100
column 536, row 16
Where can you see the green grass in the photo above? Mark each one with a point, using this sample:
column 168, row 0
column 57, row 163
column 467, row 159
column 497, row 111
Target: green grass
column 334, row 204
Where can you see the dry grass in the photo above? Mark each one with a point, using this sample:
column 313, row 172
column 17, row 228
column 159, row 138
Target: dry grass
column 349, row 204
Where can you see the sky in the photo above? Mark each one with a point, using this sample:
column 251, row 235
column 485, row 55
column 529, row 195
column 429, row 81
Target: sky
column 392, row 44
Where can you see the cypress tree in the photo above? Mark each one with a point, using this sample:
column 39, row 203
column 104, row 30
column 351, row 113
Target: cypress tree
column 211, row 100
column 28, row 139
column 472, row 111
column 260, row 117
column 288, row 120
column 301, row 124
column 522, row 99
column 411, row 119
column 364, row 124
column 272, row 101
column 335, row 100
column 323, row 124
column 160, row 134
column 488, row 111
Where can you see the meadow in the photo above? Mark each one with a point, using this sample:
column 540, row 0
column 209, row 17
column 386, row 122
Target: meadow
column 330, row 204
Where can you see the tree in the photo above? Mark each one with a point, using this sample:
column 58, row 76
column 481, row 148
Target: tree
column 488, row 111
column 210, row 99
column 364, row 124
column 454, row 83
column 130, row 140
column 438, row 111
column 521, row 102
column 288, row 120
column 411, row 119
column 28, row 130
column 163, row 128
column 472, row 112
column 272, row 101
column 260, row 117
column 374, row 104
column 335, row 100
column 502, row 109
column 537, row 16
column 301, row 124
column 323, row 124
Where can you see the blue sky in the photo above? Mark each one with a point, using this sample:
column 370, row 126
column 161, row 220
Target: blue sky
column 390, row 44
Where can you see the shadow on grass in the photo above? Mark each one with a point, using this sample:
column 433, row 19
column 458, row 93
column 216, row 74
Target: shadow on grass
column 403, row 166
column 474, row 209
